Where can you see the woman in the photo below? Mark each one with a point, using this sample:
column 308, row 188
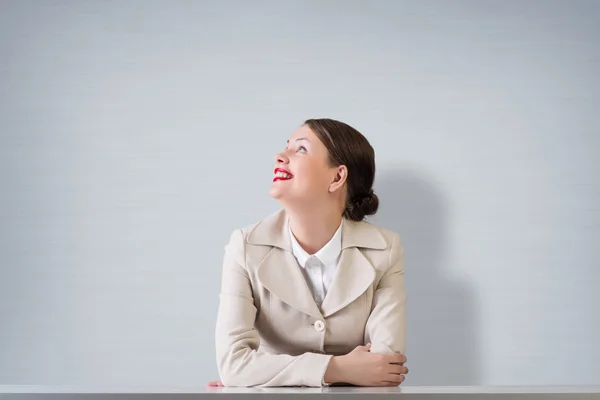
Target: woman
column 312, row 295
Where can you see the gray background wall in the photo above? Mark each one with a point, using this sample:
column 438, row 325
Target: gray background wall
column 135, row 135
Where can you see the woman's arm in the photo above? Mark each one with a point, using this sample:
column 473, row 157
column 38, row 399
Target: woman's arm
column 237, row 341
column 386, row 326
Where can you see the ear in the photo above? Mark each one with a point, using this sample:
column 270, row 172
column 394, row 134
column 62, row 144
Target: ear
column 339, row 179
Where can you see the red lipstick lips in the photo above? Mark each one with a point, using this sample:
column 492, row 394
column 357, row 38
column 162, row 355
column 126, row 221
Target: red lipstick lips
column 282, row 175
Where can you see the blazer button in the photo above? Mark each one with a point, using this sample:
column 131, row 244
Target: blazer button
column 319, row 326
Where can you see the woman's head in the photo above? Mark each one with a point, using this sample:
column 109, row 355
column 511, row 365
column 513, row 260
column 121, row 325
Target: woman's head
column 327, row 162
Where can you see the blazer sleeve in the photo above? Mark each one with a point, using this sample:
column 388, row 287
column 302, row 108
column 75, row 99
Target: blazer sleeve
column 239, row 363
column 386, row 325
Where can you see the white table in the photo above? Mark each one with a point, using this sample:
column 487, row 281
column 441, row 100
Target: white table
column 29, row 392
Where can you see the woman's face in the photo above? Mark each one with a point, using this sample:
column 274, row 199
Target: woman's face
column 302, row 174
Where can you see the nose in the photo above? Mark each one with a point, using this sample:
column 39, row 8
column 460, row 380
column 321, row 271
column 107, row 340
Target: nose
column 281, row 158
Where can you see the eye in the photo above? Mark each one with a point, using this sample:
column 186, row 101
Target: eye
column 302, row 149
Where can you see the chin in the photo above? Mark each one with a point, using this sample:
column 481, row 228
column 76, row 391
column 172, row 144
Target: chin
column 284, row 199
column 275, row 193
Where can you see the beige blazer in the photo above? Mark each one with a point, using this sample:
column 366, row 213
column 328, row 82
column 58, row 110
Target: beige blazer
column 269, row 330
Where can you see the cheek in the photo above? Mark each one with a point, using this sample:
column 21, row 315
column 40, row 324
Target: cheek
column 312, row 178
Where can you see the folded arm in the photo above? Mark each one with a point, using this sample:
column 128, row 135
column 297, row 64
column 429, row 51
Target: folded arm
column 237, row 341
column 386, row 326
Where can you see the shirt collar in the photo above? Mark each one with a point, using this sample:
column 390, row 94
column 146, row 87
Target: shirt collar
column 328, row 253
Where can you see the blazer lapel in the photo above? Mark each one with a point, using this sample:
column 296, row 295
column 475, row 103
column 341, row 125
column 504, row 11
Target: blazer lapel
column 354, row 273
column 280, row 274
column 279, row 271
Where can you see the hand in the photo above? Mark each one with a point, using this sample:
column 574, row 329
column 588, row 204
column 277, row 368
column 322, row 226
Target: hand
column 360, row 367
column 215, row 384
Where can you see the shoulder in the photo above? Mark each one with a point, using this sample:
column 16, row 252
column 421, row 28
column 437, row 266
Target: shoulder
column 382, row 246
column 394, row 250
column 368, row 235
column 391, row 237
column 266, row 233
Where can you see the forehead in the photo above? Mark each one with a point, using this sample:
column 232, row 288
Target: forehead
column 303, row 132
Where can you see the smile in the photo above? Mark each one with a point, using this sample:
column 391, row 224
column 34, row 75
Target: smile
column 282, row 175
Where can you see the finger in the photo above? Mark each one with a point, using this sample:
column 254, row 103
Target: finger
column 391, row 384
column 394, row 379
column 401, row 358
column 396, row 358
column 366, row 347
column 214, row 384
column 398, row 369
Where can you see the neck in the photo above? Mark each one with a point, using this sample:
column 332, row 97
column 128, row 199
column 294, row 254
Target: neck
column 313, row 229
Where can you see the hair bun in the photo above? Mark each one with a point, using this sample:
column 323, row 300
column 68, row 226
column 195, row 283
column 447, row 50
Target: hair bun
column 366, row 204
column 359, row 200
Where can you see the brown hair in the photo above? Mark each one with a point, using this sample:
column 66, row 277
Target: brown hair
column 347, row 146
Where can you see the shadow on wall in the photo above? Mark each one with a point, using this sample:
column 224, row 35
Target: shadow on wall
column 442, row 342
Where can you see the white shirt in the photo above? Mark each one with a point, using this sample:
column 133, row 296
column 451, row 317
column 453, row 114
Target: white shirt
column 319, row 268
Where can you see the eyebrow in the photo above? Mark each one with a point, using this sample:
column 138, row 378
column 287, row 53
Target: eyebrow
column 302, row 138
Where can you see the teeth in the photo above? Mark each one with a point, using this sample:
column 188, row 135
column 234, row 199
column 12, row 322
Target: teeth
column 280, row 174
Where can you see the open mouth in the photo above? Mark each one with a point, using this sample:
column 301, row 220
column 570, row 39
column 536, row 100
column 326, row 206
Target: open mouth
column 282, row 175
